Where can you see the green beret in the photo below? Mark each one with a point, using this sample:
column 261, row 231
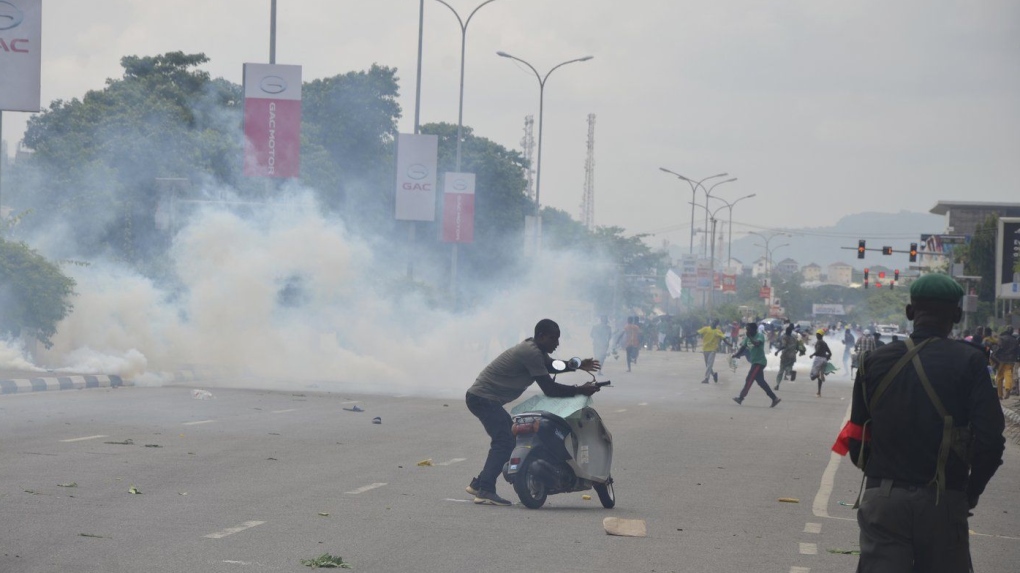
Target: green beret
column 934, row 286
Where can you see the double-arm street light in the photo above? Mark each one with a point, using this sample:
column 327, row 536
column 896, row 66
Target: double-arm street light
column 729, row 242
column 541, row 104
column 694, row 195
column 711, row 215
column 463, row 43
column 708, row 195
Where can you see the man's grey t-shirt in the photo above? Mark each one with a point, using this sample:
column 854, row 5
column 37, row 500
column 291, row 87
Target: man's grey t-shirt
column 510, row 374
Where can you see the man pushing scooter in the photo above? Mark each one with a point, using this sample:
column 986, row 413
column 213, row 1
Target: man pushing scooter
column 503, row 381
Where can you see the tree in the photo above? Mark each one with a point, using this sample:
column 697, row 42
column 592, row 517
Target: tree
column 34, row 293
column 96, row 159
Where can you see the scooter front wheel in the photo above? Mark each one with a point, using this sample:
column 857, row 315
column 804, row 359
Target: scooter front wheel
column 606, row 493
column 530, row 487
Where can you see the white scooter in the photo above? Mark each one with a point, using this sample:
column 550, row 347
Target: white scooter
column 562, row 446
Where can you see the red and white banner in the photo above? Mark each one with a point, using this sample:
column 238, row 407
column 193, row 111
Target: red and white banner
column 458, row 207
column 729, row 282
column 272, row 120
column 417, row 157
column 20, row 54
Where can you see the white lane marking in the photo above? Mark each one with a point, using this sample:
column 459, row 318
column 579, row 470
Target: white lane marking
column 365, row 488
column 820, row 507
column 457, row 500
column 621, row 410
column 233, row 530
column 83, row 439
column 993, row 535
column 800, row 570
column 284, row 411
column 812, row 528
column 451, row 462
column 199, row 422
column 808, row 549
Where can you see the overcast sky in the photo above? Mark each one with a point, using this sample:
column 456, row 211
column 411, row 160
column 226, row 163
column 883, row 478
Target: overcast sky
column 821, row 108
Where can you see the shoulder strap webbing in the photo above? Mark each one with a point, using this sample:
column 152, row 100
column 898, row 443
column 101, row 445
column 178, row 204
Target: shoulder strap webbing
column 912, row 351
column 947, row 430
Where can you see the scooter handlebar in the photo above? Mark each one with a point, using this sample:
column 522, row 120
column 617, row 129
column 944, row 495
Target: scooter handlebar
column 603, row 383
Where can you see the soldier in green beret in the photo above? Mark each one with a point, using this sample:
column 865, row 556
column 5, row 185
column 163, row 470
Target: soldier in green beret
column 927, row 430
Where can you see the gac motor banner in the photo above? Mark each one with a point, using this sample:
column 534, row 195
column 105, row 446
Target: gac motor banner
column 458, row 207
column 417, row 156
column 20, row 54
column 272, row 120
column 1007, row 251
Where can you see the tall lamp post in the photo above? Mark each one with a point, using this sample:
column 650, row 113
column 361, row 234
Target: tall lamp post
column 463, row 44
column 708, row 195
column 541, row 105
column 729, row 241
column 694, row 192
column 768, row 256
column 711, row 215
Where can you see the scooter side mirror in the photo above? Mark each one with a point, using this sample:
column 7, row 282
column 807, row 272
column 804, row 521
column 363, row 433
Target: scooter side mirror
column 575, row 363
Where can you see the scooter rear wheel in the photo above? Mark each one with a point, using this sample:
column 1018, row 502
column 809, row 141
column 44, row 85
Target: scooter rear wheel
column 530, row 487
column 606, row 493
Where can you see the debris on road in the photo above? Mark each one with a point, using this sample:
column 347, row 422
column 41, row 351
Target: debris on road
column 323, row 514
column 355, row 408
column 201, row 394
column 377, row 420
column 326, row 561
column 845, row 551
column 427, row 462
column 127, row 442
column 153, row 446
column 134, row 490
column 789, row 500
column 624, row 527
column 586, row 497
column 93, row 535
column 72, row 484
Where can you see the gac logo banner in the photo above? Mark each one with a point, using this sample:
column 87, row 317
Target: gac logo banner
column 272, row 120
column 458, row 207
column 20, row 54
column 417, row 156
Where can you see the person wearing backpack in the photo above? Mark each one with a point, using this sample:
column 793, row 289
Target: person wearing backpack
column 927, row 431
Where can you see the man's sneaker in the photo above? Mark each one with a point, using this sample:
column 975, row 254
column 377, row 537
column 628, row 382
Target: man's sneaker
column 775, row 401
column 705, row 381
column 490, row 498
column 715, row 376
column 793, row 375
column 474, row 488
column 738, row 400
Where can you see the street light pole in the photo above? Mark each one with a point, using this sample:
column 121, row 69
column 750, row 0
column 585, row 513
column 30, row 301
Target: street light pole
column 694, row 191
column 463, row 45
column 708, row 195
column 711, row 290
column 541, row 105
column 729, row 242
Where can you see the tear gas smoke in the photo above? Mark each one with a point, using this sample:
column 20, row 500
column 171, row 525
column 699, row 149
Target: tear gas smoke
column 285, row 297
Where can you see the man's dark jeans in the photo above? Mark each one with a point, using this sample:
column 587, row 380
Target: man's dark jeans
column 498, row 425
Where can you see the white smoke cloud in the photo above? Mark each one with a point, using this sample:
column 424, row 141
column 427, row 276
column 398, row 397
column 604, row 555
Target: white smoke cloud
column 337, row 327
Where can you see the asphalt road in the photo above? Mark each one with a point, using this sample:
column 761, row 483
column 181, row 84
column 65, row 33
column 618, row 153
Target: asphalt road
column 240, row 483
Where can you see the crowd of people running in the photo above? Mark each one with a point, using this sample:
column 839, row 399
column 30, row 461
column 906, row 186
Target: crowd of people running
column 788, row 340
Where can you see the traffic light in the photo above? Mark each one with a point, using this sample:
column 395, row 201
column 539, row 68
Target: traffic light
column 913, row 252
column 881, row 274
column 896, row 278
column 886, row 250
column 860, row 249
column 865, row 276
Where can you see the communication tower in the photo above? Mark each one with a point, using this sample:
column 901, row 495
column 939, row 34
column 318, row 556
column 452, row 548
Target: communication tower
column 588, row 202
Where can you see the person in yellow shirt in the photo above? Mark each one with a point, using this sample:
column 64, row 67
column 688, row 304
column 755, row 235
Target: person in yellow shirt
column 711, row 336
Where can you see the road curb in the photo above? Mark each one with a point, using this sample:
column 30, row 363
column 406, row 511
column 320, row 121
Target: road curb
column 27, row 385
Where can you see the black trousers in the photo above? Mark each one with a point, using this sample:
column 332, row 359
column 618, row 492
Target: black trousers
column 904, row 531
column 498, row 425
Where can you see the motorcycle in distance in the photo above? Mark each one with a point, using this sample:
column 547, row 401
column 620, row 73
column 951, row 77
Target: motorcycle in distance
column 561, row 446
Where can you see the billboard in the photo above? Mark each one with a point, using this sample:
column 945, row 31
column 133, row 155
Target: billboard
column 458, row 207
column 417, row 156
column 20, row 54
column 1007, row 259
column 272, row 120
